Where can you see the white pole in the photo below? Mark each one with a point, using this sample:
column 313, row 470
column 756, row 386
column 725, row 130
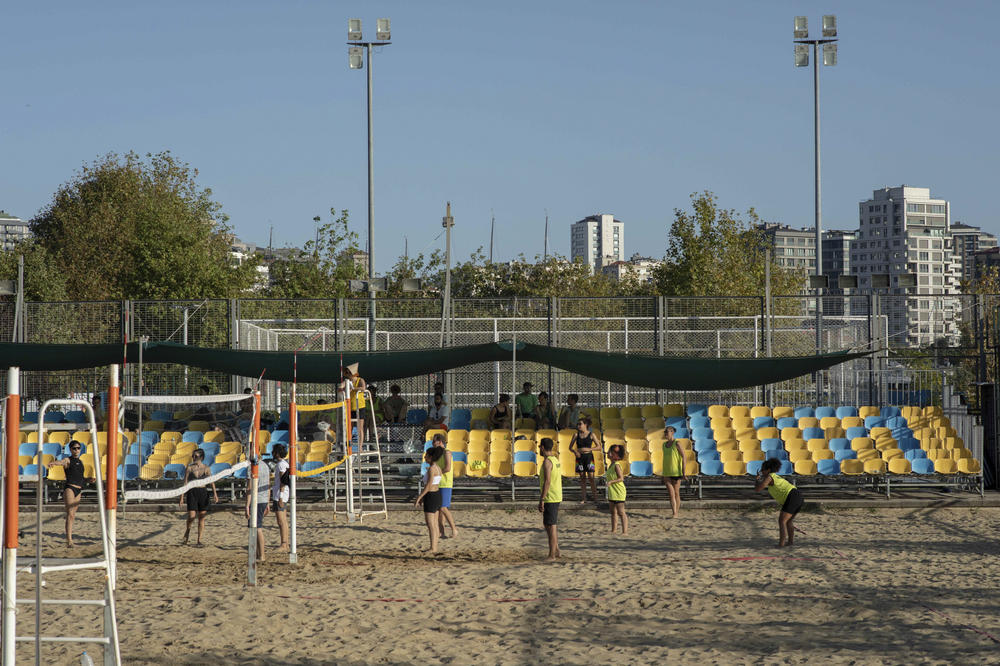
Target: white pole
column 13, row 416
column 293, row 427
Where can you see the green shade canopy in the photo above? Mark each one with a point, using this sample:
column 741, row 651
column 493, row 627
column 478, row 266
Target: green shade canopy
column 659, row 372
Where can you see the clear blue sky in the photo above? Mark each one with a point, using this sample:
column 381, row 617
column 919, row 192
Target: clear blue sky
column 576, row 107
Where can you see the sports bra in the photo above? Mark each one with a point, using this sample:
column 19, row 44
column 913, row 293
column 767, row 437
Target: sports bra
column 585, row 442
column 435, row 480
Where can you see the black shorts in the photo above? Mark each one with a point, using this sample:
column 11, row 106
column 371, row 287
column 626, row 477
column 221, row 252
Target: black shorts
column 197, row 499
column 674, row 478
column 793, row 503
column 585, row 463
column 614, row 502
column 277, row 505
column 432, row 502
column 550, row 513
column 70, row 486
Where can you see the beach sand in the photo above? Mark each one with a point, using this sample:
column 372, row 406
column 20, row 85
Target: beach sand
column 860, row 586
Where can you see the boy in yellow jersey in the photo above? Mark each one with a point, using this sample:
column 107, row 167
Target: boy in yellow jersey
column 788, row 497
column 550, row 481
column 614, row 480
column 447, row 476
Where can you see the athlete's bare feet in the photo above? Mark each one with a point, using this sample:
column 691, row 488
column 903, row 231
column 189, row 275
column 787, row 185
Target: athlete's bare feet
column 283, row 548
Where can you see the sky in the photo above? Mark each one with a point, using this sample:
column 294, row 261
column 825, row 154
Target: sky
column 516, row 108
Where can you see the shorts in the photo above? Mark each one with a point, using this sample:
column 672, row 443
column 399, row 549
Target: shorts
column 278, row 505
column 284, row 494
column 77, row 490
column 432, row 502
column 793, row 503
column 261, row 508
column 614, row 502
column 550, row 513
column 197, row 499
column 445, row 497
column 585, row 463
column 674, row 478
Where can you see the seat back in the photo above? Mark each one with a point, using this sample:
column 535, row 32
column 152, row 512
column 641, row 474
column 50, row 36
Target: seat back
column 828, row 467
column 805, row 467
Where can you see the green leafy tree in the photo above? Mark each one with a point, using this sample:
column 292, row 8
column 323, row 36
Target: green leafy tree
column 132, row 227
column 323, row 268
column 44, row 278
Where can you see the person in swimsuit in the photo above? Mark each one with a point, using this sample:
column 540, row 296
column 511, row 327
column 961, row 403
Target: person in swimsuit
column 499, row 418
column 197, row 498
column 673, row 469
column 614, row 479
column 582, row 445
column 788, row 497
column 431, row 494
column 72, row 486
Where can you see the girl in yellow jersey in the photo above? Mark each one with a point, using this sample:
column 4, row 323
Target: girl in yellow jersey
column 788, row 497
column 673, row 469
column 614, row 479
column 550, row 482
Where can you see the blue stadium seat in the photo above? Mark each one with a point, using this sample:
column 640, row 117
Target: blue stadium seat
column 890, row 411
column 856, row 431
column 707, row 456
column 839, row 444
column 161, row 415
column 279, row 437
column 804, row 412
column 52, row 448
column 915, row 454
column 907, row 444
column 895, row 422
column 416, row 416
column 828, row 467
column 918, row 465
column 459, row 456
column 697, row 422
column 76, row 416
column 786, row 468
column 33, row 470
column 780, row 454
column 177, row 470
column 284, row 415
column 209, row 459
column 753, row 467
column 700, row 434
column 874, row 422
column 641, row 468
column 428, row 444
column 845, row 454
column 149, row 436
column 215, row 468
column 193, row 436
column 711, row 468
column 132, row 459
column 771, row 444
column 29, row 417
column 813, row 433
column 677, row 422
column 697, row 410
column 704, row 445
column 682, row 433
column 211, row 448
column 27, row 449
column 309, row 465
column 763, row 422
column 787, row 422
column 54, row 417
column 824, row 412
column 525, row 456
column 130, row 472
column 844, row 412
column 244, row 472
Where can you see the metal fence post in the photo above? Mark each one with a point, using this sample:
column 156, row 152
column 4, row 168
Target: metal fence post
column 234, row 338
column 871, row 349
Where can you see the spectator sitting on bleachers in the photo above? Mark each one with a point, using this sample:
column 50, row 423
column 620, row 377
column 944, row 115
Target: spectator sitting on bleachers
column 545, row 417
column 569, row 414
column 394, row 407
column 500, row 415
column 437, row 415
column 438, row 388
column 525, row 401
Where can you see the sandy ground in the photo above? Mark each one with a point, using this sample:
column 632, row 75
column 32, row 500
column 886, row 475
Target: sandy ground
column 860, row 586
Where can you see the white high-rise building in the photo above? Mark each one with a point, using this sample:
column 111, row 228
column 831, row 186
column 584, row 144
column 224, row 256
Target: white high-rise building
column 967, row 240
column 905, row 230
column 598, row 240
column 13, row 230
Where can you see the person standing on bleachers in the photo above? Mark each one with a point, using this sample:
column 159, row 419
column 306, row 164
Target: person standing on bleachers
column 525, row 401
column 550, row 486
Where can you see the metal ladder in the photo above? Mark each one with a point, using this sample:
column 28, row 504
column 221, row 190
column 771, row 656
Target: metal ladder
column 363, row 482
column 40, row 566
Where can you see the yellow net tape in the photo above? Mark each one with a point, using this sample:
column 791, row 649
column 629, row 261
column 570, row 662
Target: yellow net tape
column 319, row 408
column 320, row 470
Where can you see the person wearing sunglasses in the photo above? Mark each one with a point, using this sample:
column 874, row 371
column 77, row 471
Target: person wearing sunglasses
column 72, row 486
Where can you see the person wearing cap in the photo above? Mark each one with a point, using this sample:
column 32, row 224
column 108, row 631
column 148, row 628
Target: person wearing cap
column 525, row 401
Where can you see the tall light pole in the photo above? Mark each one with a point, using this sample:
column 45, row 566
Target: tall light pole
column 356, row 60
column 829, row 42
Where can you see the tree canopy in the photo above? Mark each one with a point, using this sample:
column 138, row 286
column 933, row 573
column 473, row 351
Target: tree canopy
column 137, row 227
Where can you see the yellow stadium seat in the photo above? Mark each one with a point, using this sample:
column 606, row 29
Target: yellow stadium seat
column 822, row 454
column 317, row 456
column 829, row 422
column 716, row 411
column 886, row 443
column 964, row 465
column 745, row 445
column 891, row 454
column 479, row 415
column 57, row 473
column 727, row 445
column 723, row 434
column 833, row 433
column 805, row 468
column 795, row 445
column 230, row 446
column 782, row 411
column 457, row 436
column 730, row 456
column 868, row 454
column 899, row 465
column 691, row 468
column 852, row 467
column 909, row 412
column 768, row 433
column 945, row 466
column 429, row 437
column 720, row 422
column 525, row 445
column 568, row 463
column 552, row 434
column 153, row 425
column 458, row 469
column 631, row 412
column 500, row 454
column 183, row 415
column 759, row 410
column 756, row 454
column 214, row 436
column 739, row 412
column 652, row 412
column 808, row 422
column 614, row 433
column 525, row 468
column 150, row 472
column 61, row 436
column 875, row 466
column 162, row 459
column 180, row 459
column 673, row 410
column 609, row 413
column 524, row 423
column 633, row 444
column 231, row 458
column 930, row 443
column 199, row 426
column 868, row 410
column 746, row 431
column 960, row 453
column 734, row 468
column 32, row 437
column 952, row 442
column 477, row 467
column 791, row 433
column 479, row 435
column 861, row 443
column 637, row 455
column 263, row 437
column 635, row 433
column 814, row 445
column 25, row 460
column 852, row 422
column 500, row 436
column 687, row 454
column 799, row 455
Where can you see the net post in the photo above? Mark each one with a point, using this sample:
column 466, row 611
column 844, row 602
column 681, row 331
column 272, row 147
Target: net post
column 349, row 454
column 254, row 459
column 293, row 446
column 111, row 488
column 10, row 525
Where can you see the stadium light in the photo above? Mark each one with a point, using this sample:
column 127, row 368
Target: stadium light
column 801, row 55
column 355, row 57
column 829, row 25
column 818, row 282
column 829, row 55
column 847, row 281
column 382, row 30
column 800, row 28
column 354, row 30
column 880, row 281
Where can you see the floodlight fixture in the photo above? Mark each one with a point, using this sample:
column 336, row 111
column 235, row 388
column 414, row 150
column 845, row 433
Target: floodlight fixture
column 847, row 281
column 907, row 280
column 354, row 30
column 880, row 281
column 412, row 284
column 357, row 285
column 356, row 57
column 801, row 55
column 801, row 29
column 818, row 281
column 830, row 54
column 382, row 32
column 829, row 25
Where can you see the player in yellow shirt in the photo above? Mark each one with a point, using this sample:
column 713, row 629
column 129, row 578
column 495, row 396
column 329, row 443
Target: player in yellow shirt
column 788, row 497
column 550, row 484
column 614, row 480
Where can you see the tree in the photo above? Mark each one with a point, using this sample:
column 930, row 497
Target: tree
column 140, row 228
column 323, row 268
column 44, row 279
column 715, row 252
